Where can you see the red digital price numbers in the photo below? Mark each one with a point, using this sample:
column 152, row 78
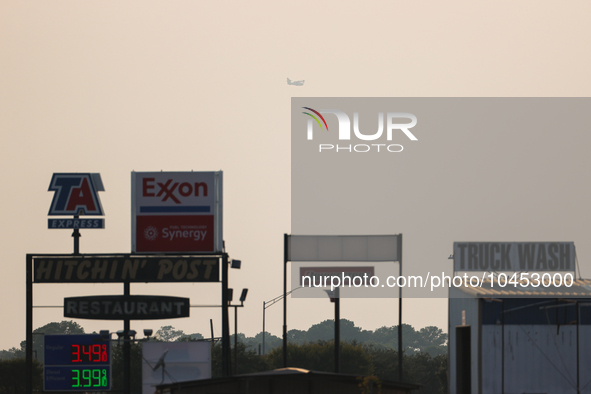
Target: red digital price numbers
column 96, row 353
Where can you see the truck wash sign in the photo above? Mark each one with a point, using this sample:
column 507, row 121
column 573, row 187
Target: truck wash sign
column 514, row 256
column 176, row 212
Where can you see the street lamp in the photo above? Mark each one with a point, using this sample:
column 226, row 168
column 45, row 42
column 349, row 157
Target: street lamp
column 121, row 335
column 242, row 299
column 270, row 303
column 105, row 335
column 243, row 295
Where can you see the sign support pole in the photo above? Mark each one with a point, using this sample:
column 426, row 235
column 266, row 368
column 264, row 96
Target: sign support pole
column 285, row 240
column 126, row 345
column 29, row 337
column 225, row 319
column 337, row 329
column 400, row 310
column 76, row 235
column 236, row 340
column 263, row 328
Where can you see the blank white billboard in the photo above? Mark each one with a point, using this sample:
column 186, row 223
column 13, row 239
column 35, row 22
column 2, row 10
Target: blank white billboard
column 343, row 248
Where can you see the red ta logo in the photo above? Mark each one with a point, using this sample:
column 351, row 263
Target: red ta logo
column 76, row 194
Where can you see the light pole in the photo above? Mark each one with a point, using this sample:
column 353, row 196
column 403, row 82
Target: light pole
column 336, row 298
column 242, row 299
column 270, row 303
column 226, row 295
column 128, row 337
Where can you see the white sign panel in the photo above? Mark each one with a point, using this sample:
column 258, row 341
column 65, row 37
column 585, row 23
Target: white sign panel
column 173, row 362
column 514, row 256
column 176, row 212
column 343, row 248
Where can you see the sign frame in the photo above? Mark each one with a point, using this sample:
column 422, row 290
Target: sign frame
column 343, row 248
column 57, row 362
column 111, row 268
column 30, row 271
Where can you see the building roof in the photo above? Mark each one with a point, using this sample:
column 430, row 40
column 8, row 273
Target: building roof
column 285, row 375
column 499, row 287
column 283, row 371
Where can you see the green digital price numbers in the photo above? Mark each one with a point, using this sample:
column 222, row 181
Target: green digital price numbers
column 90, row 377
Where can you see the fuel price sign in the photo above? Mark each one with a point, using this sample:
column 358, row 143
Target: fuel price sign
column 77, row 363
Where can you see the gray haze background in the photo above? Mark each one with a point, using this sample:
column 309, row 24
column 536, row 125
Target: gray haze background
column 116, row 86
column 493, row 169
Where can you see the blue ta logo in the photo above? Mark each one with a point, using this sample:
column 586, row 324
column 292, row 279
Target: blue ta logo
column 76, row 194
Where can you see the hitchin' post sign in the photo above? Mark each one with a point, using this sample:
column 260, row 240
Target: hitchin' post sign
column 176, row 212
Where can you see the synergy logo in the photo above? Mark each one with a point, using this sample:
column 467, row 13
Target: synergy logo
column 175, row 233
column 195, row 233
column 76, row 194
column 151, row 233
column 344, row 130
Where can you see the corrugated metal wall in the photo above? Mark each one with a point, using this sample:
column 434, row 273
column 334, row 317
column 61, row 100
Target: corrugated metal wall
column 536, row 359
column 539, row 354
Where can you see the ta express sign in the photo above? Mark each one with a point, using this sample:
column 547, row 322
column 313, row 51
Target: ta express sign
column 176, row 212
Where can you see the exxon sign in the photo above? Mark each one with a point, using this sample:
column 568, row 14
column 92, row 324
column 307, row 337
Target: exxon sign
column 176, row 212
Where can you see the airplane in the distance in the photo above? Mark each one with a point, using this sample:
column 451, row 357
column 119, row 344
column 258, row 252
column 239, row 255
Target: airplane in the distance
column 295, row 83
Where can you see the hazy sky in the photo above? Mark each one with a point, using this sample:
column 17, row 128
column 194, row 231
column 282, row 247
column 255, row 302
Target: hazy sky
column 116, row 86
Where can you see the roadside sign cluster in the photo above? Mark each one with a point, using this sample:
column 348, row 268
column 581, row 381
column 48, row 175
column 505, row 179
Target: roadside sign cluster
column 172, row 213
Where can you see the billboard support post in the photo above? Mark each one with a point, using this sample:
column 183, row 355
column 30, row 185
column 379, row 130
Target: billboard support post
column 126, row 345
column 332, row 248
column 225, row 319
column 337, row 329
column 76, row 235
column 29, row 338
column 400, row 310
column 264, row 328
column 235, row 340
column 285, row 259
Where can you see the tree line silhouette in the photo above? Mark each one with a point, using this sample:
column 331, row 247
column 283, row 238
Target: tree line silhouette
column 363, row 352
